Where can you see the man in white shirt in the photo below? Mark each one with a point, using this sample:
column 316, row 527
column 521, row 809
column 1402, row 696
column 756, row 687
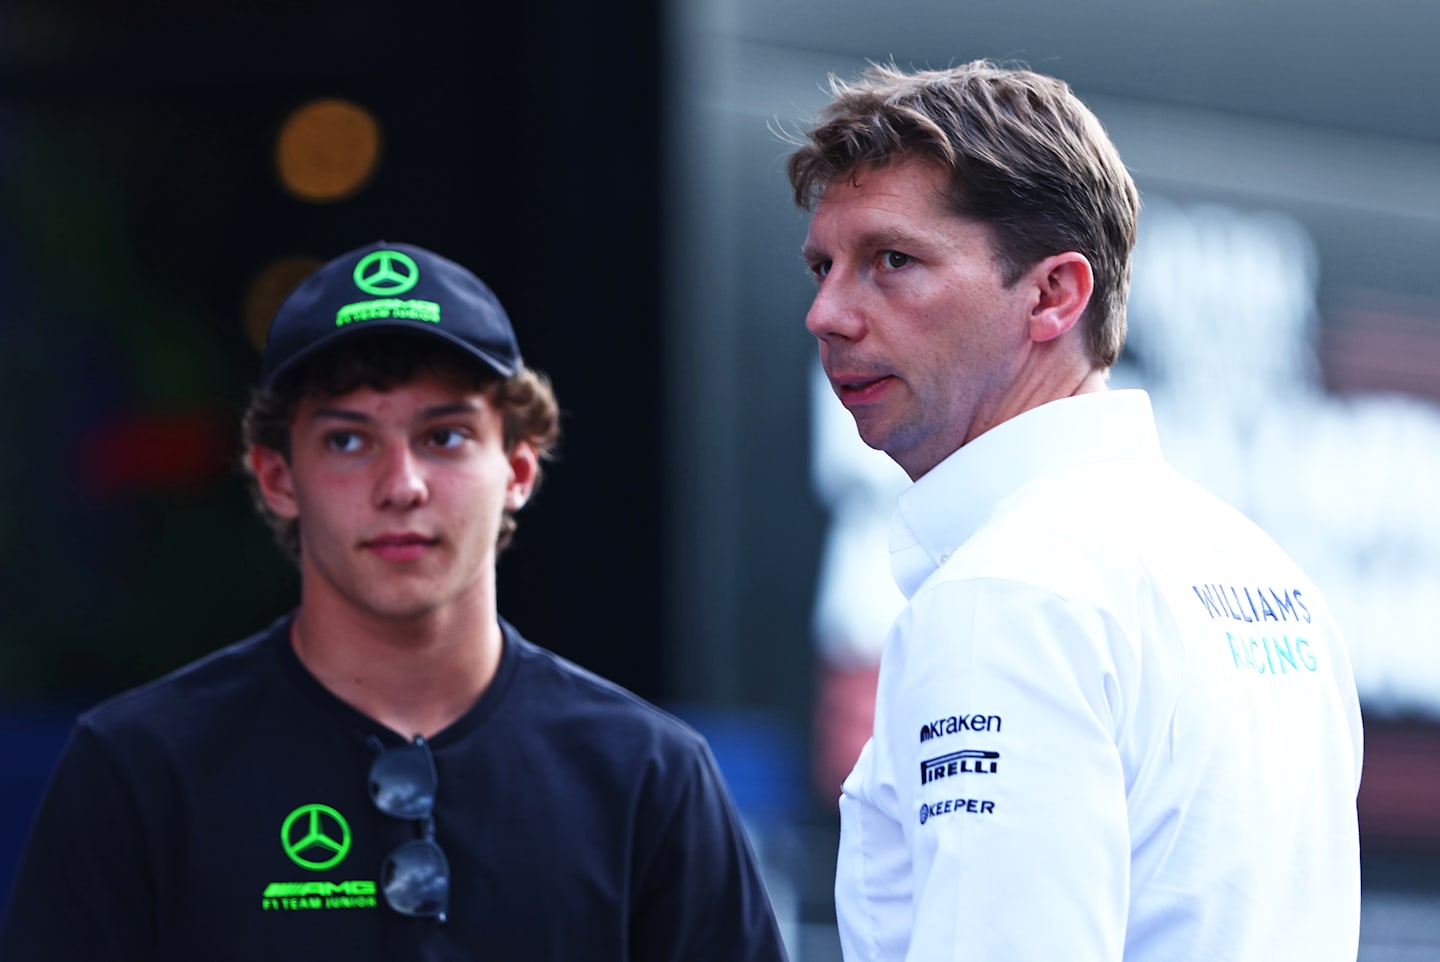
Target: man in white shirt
column 1114, row 721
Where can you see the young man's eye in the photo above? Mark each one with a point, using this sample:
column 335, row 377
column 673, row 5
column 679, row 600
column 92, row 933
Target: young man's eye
column 819, row 269
column 446, row 438
column 345, row 442
column 893, row 260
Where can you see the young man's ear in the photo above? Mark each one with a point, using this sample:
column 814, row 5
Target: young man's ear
column 524, row 469
column 275, row 481
column 1063, row 284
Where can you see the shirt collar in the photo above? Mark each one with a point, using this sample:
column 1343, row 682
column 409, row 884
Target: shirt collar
column 939, row 512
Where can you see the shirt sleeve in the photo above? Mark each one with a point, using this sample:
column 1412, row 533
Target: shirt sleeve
column 994, row 769
column 699, row 894
column 82, row 890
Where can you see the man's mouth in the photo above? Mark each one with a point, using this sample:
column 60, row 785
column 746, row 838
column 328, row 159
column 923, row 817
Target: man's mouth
column 400, row 546
column 858, row 390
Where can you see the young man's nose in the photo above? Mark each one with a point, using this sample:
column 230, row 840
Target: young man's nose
column 401, row 482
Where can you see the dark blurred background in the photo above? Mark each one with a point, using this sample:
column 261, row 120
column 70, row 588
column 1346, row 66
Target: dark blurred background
column 168, row 168
column 143, row 213
column 145, row 231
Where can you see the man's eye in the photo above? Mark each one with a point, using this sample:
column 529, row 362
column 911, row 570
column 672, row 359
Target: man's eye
column 446, row 438
column 894, row 260
column 820, row 268
column 345, row 442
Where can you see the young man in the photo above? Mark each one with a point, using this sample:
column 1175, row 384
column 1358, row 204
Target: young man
column 1114, row 721
column 391, row 771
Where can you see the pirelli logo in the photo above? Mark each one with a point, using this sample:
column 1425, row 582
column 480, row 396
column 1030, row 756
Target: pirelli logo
column 967, row 761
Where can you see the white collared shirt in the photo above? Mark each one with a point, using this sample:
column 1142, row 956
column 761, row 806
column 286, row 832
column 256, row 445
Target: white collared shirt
column 1115, row 721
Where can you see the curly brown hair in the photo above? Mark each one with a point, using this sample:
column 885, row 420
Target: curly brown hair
column 1023, row 154
column 381, row 362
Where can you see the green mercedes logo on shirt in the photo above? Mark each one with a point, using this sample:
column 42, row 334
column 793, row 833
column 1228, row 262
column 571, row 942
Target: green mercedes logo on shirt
column 386, row 273
column 315, row 837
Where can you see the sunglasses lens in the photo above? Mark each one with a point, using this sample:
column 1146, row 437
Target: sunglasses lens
column 416, row 880
column 402, row 782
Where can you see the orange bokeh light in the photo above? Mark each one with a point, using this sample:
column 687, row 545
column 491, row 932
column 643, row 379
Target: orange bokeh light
column 268, row 289
column 327, row 150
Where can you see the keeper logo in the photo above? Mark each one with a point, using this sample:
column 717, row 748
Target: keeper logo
column 977, row 806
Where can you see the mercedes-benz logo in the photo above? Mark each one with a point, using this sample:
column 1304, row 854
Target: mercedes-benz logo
column 386, row 273
column 315, row 837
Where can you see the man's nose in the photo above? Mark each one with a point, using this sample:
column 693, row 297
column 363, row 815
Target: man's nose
column 401, row 482
column 835, row 312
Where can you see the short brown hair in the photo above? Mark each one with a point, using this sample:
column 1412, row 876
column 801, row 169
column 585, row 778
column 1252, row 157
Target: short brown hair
column 1024, row 156
column 527, row 404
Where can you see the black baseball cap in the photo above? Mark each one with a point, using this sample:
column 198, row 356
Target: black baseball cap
column 387, row 287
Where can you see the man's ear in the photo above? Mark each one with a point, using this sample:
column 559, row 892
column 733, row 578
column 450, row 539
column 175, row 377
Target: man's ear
column 275, row 480
column 524, row 469
column 1063, row 284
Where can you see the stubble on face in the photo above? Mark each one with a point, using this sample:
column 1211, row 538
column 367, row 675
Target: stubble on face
column 918, row 332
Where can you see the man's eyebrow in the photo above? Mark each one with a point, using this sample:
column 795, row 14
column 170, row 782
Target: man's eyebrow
column 889, row 237
column 877, row 239
column 450, row 408
column 338, row 414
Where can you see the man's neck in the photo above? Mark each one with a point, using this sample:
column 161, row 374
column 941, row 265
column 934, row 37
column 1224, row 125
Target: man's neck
column 415, row 676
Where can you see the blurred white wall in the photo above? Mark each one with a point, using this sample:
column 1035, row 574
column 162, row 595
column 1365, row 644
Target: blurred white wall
column 1266, row 243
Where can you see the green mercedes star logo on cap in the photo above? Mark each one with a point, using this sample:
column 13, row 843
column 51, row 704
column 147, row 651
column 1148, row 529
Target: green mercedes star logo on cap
column 315, row 837
column 386, row 273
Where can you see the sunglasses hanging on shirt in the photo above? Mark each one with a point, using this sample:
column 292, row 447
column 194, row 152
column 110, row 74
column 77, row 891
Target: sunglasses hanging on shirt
column 415, row 877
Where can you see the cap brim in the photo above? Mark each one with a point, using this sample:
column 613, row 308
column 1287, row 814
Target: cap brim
column 269, row 377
